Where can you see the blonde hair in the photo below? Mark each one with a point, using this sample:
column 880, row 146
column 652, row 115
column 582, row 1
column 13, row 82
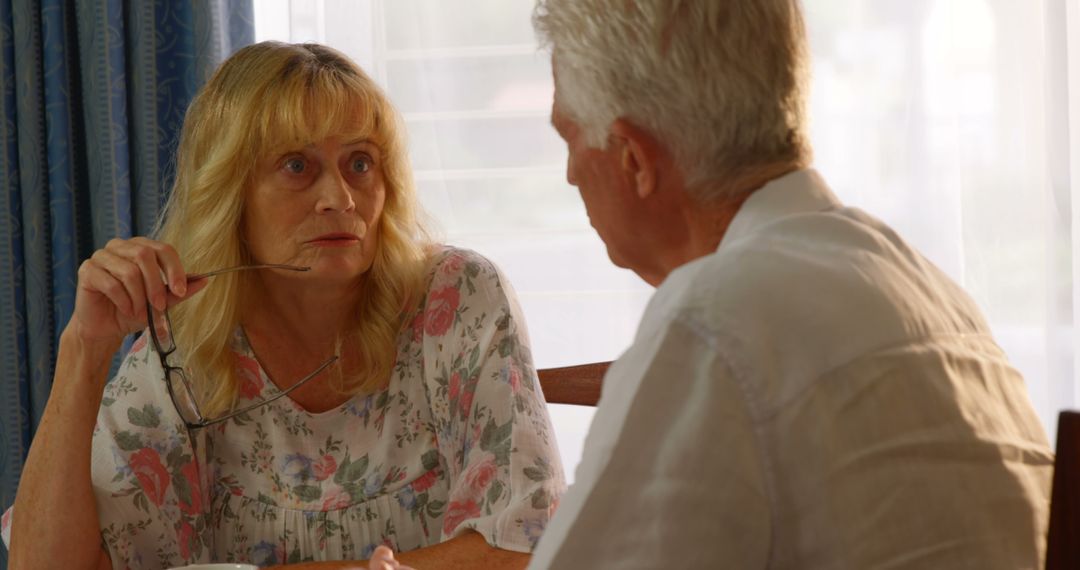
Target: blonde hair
column 721, row 82
column 265, row 98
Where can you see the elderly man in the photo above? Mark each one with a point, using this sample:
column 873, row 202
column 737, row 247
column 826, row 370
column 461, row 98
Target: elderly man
column 805, row 390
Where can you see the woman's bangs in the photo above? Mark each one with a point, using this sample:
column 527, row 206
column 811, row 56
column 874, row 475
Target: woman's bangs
column 314, row 108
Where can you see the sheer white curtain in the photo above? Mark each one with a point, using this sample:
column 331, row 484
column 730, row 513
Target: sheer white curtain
column 956, row 121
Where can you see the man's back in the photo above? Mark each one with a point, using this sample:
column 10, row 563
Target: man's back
column 813, row 395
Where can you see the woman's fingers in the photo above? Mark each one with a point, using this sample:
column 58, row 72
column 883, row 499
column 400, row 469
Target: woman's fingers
column 121, row 281
column 383, row 559
column 161, row 269
column 156, row 293
column 97, row 279
column 148, row 270
column 169, row 261
column 128, row 274
column 192, row 288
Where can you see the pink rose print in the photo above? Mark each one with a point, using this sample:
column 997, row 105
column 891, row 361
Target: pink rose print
column 247, row 371
column 184, row 536
column 479, row 475
column 191, row 473
column 454, row 391
column 459, row 512
column 452, row 265
column 324, row 468
column 337, row 501
column 466, row 400
column 440, row 310
column 424, row 482
column 151, row 473
column 515, row 379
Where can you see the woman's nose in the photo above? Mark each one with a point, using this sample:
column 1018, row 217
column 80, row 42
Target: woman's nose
column 334, row 193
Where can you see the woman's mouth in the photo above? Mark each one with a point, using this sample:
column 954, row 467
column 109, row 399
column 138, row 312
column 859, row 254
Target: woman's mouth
column 336, row 239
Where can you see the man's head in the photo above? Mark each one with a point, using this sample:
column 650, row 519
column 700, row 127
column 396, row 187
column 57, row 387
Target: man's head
column 673, row 110
column 720, row 82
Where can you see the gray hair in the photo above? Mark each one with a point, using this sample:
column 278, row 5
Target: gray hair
column 721, row 82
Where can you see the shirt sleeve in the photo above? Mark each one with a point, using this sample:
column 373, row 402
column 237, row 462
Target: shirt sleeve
column 670, row 473
column 493, row 429
column 148, row 484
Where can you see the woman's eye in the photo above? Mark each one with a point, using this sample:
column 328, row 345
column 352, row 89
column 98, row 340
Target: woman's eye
column 294, row 165
column 361, row 163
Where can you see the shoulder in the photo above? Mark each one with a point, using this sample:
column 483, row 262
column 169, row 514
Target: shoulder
column 466, row 272
column 449, row 261
column 826, row 285
column 136, row 406
column 464, row 289
column 827, row 262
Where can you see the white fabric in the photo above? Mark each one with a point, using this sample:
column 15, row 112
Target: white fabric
column 813, row 395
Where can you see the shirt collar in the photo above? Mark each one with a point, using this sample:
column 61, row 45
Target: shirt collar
column 793, row 193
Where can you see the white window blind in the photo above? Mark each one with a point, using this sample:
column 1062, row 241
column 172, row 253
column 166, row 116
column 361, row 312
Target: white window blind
column 955, row 121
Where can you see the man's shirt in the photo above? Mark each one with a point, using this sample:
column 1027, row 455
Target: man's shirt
column 814, row 394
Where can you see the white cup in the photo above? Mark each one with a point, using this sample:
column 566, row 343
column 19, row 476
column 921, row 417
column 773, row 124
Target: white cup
column 217, row 567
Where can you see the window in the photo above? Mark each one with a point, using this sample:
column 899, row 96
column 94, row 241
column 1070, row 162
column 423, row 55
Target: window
column 952, row 120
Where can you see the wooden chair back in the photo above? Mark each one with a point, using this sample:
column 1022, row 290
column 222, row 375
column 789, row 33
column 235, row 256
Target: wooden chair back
column 1063, row 538
column 578, row 385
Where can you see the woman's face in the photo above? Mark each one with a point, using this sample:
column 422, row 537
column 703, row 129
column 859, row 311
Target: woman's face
column 318, row 206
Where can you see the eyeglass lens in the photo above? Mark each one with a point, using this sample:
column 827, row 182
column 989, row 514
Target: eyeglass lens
column 183, row 396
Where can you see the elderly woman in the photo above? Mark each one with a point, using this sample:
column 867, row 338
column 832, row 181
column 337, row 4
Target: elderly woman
column 345, row 385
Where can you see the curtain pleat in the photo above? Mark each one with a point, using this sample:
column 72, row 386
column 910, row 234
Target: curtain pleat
column 104, row 94
column 14, row 368
column 34, row 192
column 92, row 98
column 66, row 165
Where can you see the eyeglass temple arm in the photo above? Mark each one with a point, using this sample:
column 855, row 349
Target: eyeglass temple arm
column 282, row 394
column 197, row 276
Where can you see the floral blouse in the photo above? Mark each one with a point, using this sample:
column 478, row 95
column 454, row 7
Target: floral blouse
column 459, row 439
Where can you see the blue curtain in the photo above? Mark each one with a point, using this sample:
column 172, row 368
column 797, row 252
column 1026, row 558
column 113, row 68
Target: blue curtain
column 93, row 96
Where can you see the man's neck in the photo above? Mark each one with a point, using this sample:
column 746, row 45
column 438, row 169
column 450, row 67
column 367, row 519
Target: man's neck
column 706, row 223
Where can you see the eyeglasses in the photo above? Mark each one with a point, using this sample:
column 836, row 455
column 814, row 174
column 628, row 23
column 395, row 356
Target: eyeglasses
column 180, row 389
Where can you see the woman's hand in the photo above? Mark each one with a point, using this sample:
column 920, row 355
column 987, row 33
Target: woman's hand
column 383, row 559
column 116, row 283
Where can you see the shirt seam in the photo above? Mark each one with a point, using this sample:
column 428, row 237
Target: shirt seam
column 712, row 338
column 753, row 410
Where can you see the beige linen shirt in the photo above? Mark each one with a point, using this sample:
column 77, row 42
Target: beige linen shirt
column 815, row 394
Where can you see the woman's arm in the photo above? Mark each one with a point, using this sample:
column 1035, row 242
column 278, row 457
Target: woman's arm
column 469, row 550
column 56, row 525
column 55, row 517
column 465, row 552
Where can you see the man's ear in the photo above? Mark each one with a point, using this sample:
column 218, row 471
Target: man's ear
column 639, row 156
